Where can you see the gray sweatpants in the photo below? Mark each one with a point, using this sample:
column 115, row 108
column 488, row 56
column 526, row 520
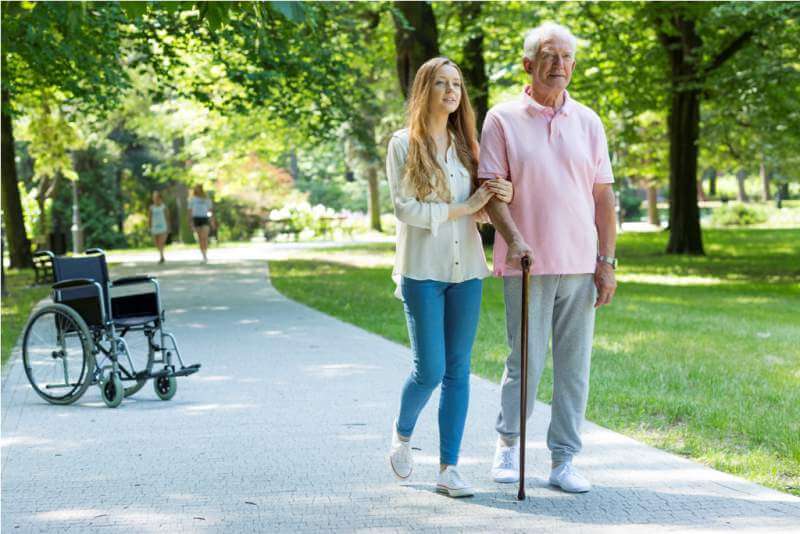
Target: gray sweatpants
column 564, row 306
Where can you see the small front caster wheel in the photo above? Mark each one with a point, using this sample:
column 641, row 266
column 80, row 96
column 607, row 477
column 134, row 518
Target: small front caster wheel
column 165, row 387
column 112, row 391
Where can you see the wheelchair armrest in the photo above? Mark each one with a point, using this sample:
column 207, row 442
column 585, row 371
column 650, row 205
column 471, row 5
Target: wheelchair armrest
column 95, row 251
column 74, row 282
column 129, row 280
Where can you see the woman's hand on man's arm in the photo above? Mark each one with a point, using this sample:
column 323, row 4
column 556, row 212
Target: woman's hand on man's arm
column 473, row 204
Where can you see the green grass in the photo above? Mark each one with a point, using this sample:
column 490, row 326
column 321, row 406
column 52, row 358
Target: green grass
column 17, row 305
column 697, row 355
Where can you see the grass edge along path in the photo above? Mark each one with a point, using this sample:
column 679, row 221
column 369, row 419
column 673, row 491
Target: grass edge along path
column 17, row 305
column 697, row 356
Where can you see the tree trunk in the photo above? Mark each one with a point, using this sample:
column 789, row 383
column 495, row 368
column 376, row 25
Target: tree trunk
column 42, row 227
column 416, row 40
column 120, row 202
column 181, row 198
column 684, row 214
column 741, row 194
column 765, row 179
column 681, row 44
column 652, row 206
column 3, row 263
column 472, row 65
column 19, row 246
column 294, row 168
column 374, row 197
column 712, row 182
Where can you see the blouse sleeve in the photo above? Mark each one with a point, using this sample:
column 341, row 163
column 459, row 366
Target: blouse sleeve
column 428, row 215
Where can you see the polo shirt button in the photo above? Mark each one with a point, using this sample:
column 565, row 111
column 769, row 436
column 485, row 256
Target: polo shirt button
column 456, row 263
column 456, row 242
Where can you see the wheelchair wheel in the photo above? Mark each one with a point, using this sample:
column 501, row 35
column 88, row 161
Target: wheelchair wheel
column 112, row 391
column 57, row 354
column 165, row 387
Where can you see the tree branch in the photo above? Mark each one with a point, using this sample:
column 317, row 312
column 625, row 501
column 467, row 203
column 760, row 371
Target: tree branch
column 729, row 51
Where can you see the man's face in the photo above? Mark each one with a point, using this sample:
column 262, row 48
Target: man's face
column 551, row 69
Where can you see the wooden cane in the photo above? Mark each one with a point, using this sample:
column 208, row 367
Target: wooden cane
column 523, row 397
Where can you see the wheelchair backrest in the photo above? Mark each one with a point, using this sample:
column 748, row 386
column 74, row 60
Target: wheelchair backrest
column 84, row 299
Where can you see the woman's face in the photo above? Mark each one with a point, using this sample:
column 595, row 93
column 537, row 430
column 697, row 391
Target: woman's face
column 445, row 95
column 156, row 197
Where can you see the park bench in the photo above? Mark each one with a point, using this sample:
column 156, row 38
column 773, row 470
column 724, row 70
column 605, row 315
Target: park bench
column 43, row 267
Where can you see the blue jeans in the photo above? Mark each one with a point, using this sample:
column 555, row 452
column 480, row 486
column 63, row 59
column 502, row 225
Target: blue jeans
column 442, row 320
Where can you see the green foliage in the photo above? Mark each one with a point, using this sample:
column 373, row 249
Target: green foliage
column 736, row 214
column 233, row 220
column 630, row 202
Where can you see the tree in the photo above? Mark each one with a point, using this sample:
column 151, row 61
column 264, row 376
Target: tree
column 75, row 49
column 700, row 40
column 472, row 63
column 19, row 244
column 679, row 57
column 416, row 40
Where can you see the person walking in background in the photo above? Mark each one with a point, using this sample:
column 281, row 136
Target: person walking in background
column 554, row 151
column 158, row 215
column 201, row 217
column 439, row 263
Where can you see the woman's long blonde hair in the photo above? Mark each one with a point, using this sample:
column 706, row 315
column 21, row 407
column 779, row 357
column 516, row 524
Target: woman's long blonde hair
column 423, row 173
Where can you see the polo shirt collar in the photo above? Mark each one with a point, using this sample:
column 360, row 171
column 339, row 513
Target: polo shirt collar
column 534, row 108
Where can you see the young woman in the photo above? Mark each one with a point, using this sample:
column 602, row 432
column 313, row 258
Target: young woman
column 200, row 209
column 158, row 215
column 439, row 263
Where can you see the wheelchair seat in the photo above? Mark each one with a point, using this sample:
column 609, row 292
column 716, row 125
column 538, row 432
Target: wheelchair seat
column 128, row 322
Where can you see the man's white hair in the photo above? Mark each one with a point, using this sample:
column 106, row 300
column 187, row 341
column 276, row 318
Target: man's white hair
column 547, row 30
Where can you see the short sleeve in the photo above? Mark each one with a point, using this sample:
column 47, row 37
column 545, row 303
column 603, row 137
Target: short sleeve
column 494, row 160
column 603, row 173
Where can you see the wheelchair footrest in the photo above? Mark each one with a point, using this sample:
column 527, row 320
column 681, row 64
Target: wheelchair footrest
column 188, row 370
column 183, row 371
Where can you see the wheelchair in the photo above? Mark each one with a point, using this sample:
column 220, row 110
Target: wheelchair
column 87, row 337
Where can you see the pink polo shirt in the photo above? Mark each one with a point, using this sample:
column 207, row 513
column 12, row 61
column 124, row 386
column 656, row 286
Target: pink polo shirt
column 553, row 162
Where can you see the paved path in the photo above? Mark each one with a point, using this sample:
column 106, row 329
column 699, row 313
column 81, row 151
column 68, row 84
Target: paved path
column 286, row 428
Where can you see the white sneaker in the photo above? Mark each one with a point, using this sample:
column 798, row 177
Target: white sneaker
column 505, row 467
column 568, row 479
column 400, row 455
column 450, row 483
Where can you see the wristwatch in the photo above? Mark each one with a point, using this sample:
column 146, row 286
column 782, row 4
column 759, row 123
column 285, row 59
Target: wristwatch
column 609, row 260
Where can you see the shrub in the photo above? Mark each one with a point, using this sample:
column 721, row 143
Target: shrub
column 630, row 203
column 304, row 221
column 736, row 214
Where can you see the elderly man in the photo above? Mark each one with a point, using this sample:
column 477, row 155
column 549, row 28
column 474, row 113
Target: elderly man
column 555, row 152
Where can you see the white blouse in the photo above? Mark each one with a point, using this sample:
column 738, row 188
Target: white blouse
column 429, row 247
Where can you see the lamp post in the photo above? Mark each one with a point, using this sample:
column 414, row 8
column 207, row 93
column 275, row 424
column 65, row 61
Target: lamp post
column 77, row 231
